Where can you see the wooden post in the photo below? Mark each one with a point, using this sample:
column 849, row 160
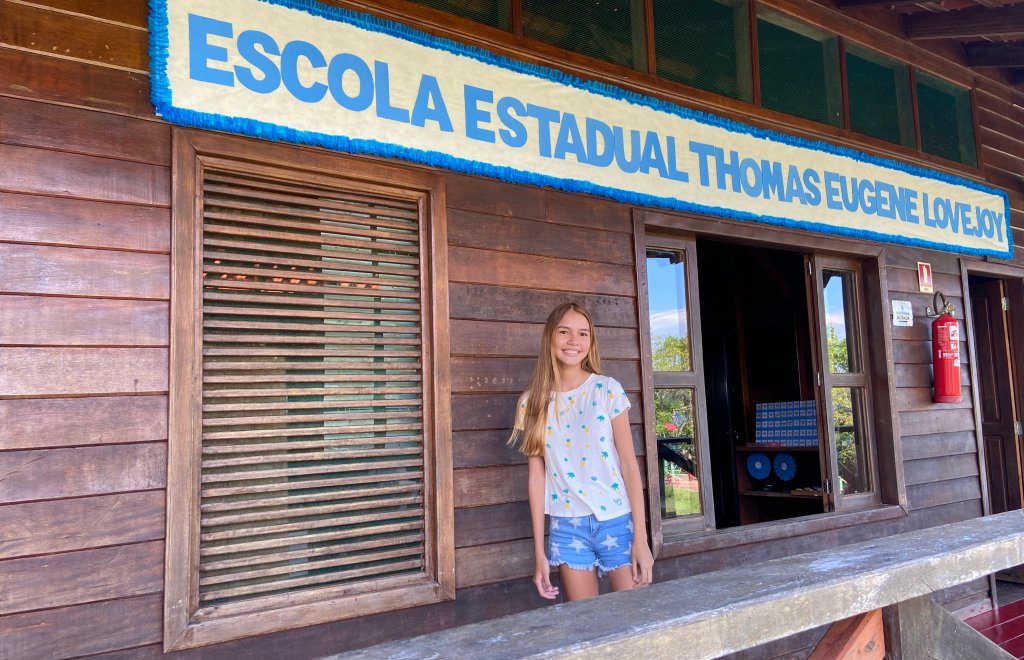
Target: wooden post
column 918, row 629
column 858, row 637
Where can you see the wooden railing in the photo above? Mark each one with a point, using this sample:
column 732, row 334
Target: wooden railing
column 708, row 615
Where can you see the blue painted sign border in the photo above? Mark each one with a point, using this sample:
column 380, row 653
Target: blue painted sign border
column 163, row 100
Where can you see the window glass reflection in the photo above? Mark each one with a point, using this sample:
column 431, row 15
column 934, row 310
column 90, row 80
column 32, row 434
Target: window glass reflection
column 838, row 322
column 666, row 291
column 677, row 456
column 851, row 445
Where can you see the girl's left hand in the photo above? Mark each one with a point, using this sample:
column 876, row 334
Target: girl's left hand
column 642, row 564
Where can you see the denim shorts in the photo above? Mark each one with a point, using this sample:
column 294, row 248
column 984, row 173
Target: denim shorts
column 585, row 542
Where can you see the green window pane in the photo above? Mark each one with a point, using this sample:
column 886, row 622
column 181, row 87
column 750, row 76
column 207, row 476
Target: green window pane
column 495, row 13
column 704, row 44
column 669, row 323
column 799, row 69
column 851, row 442
column 610, row 30
column 947, row 127
column 677, row 455
column 879, row 91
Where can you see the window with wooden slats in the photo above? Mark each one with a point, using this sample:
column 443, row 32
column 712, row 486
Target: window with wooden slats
column 315, row 457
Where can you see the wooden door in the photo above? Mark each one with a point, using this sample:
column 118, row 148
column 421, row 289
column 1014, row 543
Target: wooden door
column 996, row 392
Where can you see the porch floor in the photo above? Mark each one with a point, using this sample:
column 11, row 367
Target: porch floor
column 1005, row 624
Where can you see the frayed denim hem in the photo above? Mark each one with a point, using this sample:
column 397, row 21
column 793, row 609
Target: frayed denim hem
column 576, row 567
column 604, row 570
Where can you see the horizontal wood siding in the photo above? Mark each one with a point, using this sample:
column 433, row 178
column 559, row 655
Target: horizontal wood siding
column 47, row 527
column 87, row 420
column 1001, row 137
column 515, row 254
column 940, row 451
column 73, row 36
column 72, row 631
column 80, row 223
column 81, row 576
column 84, row 275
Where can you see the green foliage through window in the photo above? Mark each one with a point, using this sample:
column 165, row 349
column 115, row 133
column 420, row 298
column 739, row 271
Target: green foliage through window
column 671, row 354
column 851, row 448
column 674, row 428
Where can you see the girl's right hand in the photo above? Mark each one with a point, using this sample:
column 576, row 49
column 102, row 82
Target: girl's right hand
column 542, row 579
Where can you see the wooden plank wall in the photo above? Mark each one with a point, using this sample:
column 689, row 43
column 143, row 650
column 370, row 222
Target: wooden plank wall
column 84, row 272
column 84, row 266
column 84, row 282
column 940, row 451
column 515, row 254
column 1000, row 125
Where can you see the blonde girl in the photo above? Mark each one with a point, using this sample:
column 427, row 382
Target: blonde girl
column 573, row 426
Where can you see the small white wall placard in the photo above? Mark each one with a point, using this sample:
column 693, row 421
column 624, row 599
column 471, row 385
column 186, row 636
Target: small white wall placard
column 902, row 314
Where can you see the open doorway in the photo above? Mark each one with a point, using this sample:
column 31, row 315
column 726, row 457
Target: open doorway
column 763, row 382
column 757, row 346
column 997, row 336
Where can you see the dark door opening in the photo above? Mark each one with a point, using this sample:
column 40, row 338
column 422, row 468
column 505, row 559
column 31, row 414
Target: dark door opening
column 757, row 346
column 996, row 338
column 993, row 330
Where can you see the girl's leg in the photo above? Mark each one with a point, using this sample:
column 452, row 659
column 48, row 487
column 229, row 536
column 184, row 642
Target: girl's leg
column 622, row 578
column 578, row 584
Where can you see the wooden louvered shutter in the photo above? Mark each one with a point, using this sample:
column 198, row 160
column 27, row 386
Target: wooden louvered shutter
column 314, row 447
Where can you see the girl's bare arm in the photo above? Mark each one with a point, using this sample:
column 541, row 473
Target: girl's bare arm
column 541, row 568
column 643, row 560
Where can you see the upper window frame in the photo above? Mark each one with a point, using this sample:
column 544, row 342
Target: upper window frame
column 906, row 117
column 691, row 379
column 936, row 82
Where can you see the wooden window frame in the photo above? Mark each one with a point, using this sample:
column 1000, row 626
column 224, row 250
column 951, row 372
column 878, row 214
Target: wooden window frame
column 888, row 500
column 854, row 379
column 850, row 47
column 692, row 379
column 768, row 13
column 187, row 625
column 972, row 108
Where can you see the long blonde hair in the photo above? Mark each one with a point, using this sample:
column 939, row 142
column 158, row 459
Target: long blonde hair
column 545, row 382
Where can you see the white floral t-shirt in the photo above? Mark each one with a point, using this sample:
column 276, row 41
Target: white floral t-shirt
column 582, row 467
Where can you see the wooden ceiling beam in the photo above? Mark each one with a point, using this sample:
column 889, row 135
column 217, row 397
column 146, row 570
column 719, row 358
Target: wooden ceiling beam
column 999, row 55
column 966, row 24
column 860, row 4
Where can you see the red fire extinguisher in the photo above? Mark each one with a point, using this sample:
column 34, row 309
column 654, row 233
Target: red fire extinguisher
column 946, row 353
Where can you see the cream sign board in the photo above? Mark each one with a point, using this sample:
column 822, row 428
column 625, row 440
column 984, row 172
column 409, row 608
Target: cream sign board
column 302, row 72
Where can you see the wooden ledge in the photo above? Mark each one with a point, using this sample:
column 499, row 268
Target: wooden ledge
column 708, row 615
column 677, row 545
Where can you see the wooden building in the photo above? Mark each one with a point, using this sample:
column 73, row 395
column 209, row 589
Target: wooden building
column 254, row 395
